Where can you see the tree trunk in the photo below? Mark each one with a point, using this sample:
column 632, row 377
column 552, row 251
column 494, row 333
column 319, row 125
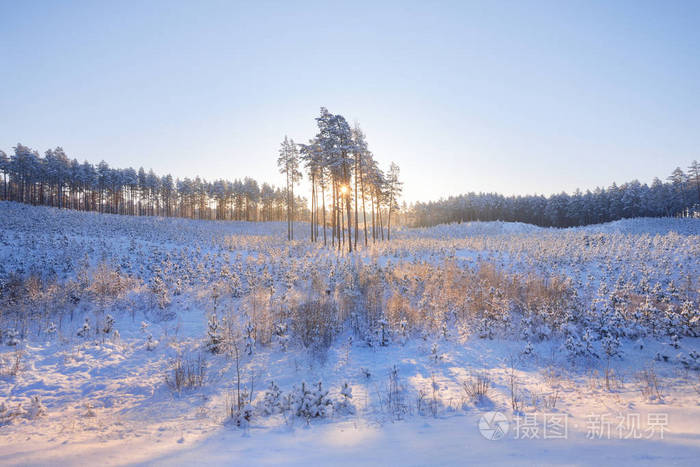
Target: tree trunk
column 323, row 201
column 356, row 217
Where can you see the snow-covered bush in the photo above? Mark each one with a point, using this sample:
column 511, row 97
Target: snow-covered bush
column 611, row 345
column 580, row 346
column 84, row 331
column 151, row 343
column 215, row 338
column 343, row 405
column 8, row 414
column 108, row 325
column 310, row 402
column 12, row 337
column 159, row 291
column 36, row 408
column 272, row 401
column 241, row 409
column 12, row 366
column 249, row 338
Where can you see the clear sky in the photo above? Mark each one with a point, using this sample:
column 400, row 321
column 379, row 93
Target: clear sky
column 512, row 97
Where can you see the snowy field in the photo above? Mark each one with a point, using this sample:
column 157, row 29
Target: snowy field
column 170, row 341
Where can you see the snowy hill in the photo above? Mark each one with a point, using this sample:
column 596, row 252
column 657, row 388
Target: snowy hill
column 470, row 229
column 126, row 340
column 649, row 225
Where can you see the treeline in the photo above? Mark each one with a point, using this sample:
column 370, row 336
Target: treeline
column 346, row 184
column 56, row 180
column 679, row 195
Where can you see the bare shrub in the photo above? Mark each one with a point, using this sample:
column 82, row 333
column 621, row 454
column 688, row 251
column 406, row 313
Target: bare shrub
column 396, row 396
column 550, row 400
column 649, row 385
column 313, row 323
column 188, row 372
column 477, row 387
column 613, row 380
column 429, row 296
column 12, row 367
column 9, row 414
column 369, row 303
column 258, row 307
column 107, row 284
column 435, row 400
column 516, row 396
column 399, row 310
column 239, row 402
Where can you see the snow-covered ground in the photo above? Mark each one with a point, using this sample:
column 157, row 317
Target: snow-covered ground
column 583, row 339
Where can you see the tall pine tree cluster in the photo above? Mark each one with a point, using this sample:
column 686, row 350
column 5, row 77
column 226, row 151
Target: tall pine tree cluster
column 346, row 183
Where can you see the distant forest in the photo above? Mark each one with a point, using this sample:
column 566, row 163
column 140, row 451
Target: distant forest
column 56, row 180
column 678, row 196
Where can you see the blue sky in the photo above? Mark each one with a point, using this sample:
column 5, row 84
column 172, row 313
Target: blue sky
column 513, row 97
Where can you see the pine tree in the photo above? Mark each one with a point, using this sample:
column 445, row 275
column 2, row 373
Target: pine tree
column 394, row 190
column 288, row 163
column 694, row 177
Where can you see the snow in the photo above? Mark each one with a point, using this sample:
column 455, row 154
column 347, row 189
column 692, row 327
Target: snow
column 107, row 401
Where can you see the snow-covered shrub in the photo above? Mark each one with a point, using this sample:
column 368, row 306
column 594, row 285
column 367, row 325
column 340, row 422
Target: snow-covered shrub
column 343, row 405
column 249, row 338
column 272, row 401
column 84, row 331
column 12, row 337
column 689, row 315
column 690, row 361
column 36, row 408
column 234, row 284
column 484, row 328
column 108, row 324
column 159, row 291
column 107, row 284
column 281, row 335
column 674, row 341
column 241, row 409
column 580, row 346
column 403, row 330
column 310, row 402
column 12, row 367
column 8, row 414
column 215, row 338
column 151, row 343
column 611, row 345
column 381, row 333
column 90, row 410
column 435, row 354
